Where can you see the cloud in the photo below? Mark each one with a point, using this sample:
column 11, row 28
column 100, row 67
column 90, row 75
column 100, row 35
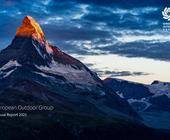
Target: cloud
column 146, row 38
column 114, row 74
column 93, row 26
column 74, row 33
column 126, row 3
column 126, row 73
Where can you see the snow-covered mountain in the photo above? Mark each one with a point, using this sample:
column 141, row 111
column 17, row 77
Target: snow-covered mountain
column 30, row 64
column 128, row 90
column 147, row 100
column 30, row 49
column 160, row 88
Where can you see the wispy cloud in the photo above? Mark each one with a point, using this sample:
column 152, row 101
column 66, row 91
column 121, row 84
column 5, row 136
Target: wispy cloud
column 114, row 74
column 92, row 26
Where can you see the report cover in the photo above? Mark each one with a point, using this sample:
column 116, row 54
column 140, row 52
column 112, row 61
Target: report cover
column 84, row 70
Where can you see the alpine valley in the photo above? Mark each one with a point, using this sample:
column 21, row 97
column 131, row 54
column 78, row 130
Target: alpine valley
column 34, row 72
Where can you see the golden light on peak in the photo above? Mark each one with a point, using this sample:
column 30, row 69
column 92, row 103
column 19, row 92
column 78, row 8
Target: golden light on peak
column 30, row 28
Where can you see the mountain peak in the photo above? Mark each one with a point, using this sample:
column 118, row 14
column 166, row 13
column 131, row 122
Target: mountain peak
column 30, row 28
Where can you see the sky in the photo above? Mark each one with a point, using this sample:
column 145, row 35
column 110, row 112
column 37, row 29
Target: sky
column 125, row 31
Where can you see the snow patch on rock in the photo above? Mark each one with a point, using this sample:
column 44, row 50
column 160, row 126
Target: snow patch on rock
column 4, row 70
column 68, row 72
column 160, row 88
column 142, row 100
column 11, row 63
column 120, row 94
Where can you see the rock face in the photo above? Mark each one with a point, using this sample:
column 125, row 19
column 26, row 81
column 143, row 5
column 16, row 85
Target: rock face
column 31, row 64
column 128, row 90
column 29, row 48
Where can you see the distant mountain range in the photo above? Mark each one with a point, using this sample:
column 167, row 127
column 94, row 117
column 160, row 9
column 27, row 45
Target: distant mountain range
column 34, row 72
column 152, row 102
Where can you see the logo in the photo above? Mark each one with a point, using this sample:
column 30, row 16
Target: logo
column 166, row 13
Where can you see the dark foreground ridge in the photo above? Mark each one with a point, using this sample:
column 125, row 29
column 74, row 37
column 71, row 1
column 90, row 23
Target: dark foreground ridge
column 72, row 126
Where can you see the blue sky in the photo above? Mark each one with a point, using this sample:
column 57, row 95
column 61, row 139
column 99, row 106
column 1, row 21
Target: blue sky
column 93, row 27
